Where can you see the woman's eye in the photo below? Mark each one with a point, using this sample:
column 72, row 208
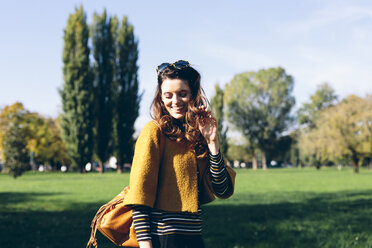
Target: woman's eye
column 183, row 94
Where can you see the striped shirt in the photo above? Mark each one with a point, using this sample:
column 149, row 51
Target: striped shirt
column 149, row 221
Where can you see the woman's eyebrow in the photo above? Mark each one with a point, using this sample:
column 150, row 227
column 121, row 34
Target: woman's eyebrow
column 176, row 91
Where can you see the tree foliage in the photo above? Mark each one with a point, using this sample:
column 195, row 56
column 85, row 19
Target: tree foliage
column 239, row 152
column 343, row 131
column 217, row 103
column 45, row 141
column 41, row 136
column 100, row 103
column 309, row 113
column 77, row 101
column 126, row 98
column 259, row 105
column 15, row 147
column 8, row 115
column 13, row 138
column 323, row 98
column 103, row 67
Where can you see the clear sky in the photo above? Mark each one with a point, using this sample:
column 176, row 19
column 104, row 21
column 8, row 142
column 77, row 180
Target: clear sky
column 315, row 41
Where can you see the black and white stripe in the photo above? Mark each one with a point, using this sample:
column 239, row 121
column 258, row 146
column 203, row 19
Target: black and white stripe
column 148, row 221
column 221, row 182
column 164, row 223
column 141, row 221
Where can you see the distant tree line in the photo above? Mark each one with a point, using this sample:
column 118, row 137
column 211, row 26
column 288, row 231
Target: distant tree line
column 325, row 131
column 100, row 101
column 339, row 134
column 28, row 139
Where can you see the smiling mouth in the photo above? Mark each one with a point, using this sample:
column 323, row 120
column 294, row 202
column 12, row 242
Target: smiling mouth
column 178, row 109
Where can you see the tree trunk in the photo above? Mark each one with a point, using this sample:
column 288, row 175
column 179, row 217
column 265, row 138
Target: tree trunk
column 254, row 160
column 355, row 160
column 264, row 165
column 32, row 161
column 102, row 169
column 120, row 166
column 318, row 165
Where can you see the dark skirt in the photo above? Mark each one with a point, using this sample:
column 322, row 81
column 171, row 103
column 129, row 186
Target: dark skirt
column 177, row 241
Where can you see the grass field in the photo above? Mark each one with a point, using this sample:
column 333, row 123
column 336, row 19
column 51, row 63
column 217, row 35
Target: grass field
column 274, row 208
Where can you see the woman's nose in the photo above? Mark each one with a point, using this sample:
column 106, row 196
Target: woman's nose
column 176, row 99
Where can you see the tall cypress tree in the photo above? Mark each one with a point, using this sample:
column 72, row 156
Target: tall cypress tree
column 104, row 59
column 127, row 98
column 77, row 118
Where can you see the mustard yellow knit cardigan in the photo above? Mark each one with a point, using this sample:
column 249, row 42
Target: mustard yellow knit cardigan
column 164, row 174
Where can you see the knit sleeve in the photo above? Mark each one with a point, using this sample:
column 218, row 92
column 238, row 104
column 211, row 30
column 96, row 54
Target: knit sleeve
column 143, row 178
column 141, row 222
column 221, row 181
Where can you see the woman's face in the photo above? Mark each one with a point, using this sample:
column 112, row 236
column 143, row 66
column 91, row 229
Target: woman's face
column 176, row 94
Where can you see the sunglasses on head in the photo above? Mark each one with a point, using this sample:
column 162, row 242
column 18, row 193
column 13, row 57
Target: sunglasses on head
column 180, row 64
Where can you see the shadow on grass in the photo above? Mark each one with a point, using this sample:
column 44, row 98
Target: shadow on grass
column 49, row 229
column 336, row 220
column 326, row 220
column 9, row 198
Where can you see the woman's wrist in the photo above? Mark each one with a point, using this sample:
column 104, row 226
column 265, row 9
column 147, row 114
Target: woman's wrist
column 145, row 244
column 214, row 147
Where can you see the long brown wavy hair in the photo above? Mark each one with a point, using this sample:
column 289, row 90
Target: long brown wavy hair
column 186, row 130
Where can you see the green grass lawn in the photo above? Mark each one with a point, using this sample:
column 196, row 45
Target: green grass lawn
column 274, row 208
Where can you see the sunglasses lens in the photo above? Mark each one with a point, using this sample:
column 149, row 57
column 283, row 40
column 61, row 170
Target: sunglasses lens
column 181, row 64
column 162, row 67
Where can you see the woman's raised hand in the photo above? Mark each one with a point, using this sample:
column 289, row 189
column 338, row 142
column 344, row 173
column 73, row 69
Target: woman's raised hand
column 209, row 129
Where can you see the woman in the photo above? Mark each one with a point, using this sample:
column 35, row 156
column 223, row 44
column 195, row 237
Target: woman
column 177, row 165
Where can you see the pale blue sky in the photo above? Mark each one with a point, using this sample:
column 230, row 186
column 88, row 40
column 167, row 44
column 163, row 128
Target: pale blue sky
column 314, row 40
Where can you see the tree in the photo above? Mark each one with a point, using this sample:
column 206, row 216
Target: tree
column 343, row 131
column 126, row 98
column 8, row 115
column 283, row 150
column 57, row 149
column 45, row 142
column 308, row 114
column 15, row 146
column 103, row 66
column 238, row 152
column 323, row 98
column 217, row 103
column 13, row 138
column 367, row 117
column 41, row 136
column 77, row 101
column 259, row 105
